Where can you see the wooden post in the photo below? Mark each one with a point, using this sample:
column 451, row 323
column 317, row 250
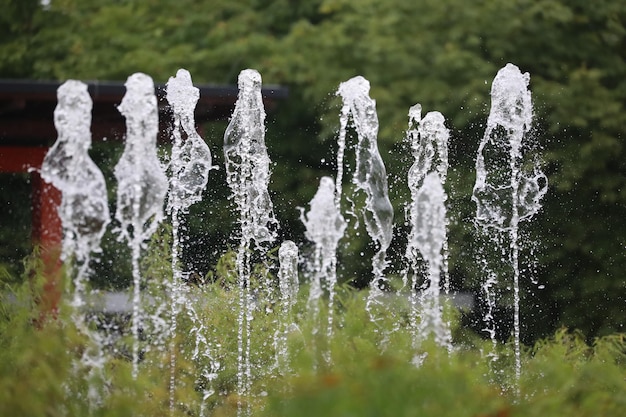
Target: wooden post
column 46, row 228
column 47, row 232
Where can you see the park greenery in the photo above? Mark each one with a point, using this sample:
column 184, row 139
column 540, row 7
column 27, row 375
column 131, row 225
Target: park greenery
column 442, row 54
column 374, row 368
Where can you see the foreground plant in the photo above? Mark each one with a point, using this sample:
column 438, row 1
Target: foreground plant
column 374, row 369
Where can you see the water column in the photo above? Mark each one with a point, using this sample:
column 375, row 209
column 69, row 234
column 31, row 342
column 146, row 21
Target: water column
column 142, row 184
column 370, row 176
column 190, row 164
column 325, row 227
column 248, row 174
column 288, row 286
column 426, row 216
column 508, row 190
column 84, row 209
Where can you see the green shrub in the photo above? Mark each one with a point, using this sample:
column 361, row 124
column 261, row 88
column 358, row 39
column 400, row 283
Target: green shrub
column 364, row 369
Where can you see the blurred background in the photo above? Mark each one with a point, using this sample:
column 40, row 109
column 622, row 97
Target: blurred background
column 442, row 54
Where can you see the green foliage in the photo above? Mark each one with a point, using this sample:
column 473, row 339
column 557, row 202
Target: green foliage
column 589, row 379
column 37, row 356
column 364, row 369
column 14, row 244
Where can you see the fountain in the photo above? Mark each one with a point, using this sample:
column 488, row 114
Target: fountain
column 141, row 188
column 247, row 174
column 325, row 227
column 370, row 176
column 84, row 209
column 427, row 218
column 189, row 166
column 508, row 190
column 288, row 285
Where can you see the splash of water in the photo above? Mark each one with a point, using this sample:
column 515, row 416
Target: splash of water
column 288, row 286
column 508, row 188
column 370, row 176
column 142, row 184
column 325, row 227
column 247, row 174
column 190, row 164
column 426, row 216
column 84, row 209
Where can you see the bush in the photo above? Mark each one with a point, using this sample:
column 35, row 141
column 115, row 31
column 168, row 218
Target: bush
column 364, row 369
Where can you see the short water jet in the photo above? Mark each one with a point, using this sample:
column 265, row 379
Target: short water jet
column 325, row 226
column 288, row 286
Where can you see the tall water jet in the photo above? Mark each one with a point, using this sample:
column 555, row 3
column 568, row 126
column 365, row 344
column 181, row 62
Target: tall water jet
column 426, row 215
column 370, row 176
column 190, row 164
column 288, row 286
column 142, row 184
column 325, row 227
column 247, row 174
column 84, row 209
column 508, row 190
